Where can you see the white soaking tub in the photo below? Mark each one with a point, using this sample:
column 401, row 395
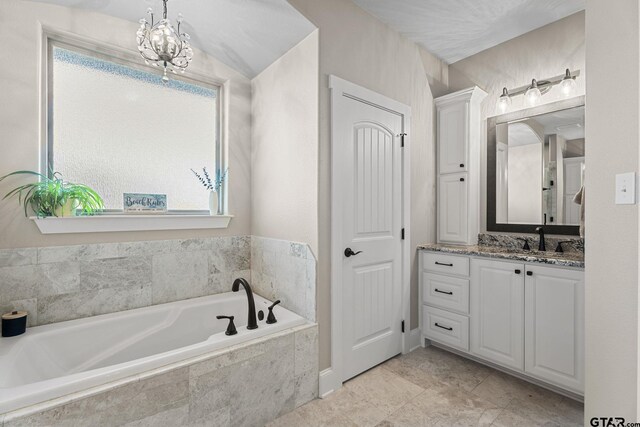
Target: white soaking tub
column 54, row 360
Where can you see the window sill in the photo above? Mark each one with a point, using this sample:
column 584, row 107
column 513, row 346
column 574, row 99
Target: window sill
column 113, row 223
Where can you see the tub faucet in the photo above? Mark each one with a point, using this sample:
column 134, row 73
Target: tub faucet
column 252, row 323
column 541, row 245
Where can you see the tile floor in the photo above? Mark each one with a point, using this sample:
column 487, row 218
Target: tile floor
column 432, row 387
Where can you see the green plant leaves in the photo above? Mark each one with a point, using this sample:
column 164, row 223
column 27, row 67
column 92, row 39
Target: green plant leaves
column 50, row 193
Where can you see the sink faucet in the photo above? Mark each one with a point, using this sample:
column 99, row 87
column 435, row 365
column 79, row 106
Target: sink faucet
column 541, row 245
column 252, row 323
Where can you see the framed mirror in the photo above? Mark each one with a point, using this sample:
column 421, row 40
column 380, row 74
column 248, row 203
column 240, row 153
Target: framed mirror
column 535, row 168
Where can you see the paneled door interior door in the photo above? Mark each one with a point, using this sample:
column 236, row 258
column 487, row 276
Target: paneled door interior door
column 369, row 139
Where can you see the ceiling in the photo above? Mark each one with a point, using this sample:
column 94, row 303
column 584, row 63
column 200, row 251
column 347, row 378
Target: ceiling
column 247, row 35
column 456, row 29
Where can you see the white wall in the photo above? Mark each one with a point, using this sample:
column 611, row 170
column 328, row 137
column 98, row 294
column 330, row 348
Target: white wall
column 20, row 28
column 612, row 132
column 357, row 47
column 284, row 147
column 542, row 53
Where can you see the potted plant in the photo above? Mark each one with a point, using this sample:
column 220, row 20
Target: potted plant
column 213, row 186
column 53, row 196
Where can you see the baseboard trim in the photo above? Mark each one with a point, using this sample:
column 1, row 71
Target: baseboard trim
column 414, row 339
column 328, row 383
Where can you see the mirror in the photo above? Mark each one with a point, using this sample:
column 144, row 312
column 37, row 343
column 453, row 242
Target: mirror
column 535, row 168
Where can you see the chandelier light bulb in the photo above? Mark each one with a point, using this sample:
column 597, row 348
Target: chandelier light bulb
column 533, row 95
column 504, row 102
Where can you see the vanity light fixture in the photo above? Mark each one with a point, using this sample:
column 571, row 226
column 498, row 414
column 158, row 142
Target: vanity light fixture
column 504, row 102
column 160, row 44
column 533, row 92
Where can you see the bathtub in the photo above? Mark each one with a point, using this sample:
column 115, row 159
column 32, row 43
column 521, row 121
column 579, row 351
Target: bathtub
column 55, row 360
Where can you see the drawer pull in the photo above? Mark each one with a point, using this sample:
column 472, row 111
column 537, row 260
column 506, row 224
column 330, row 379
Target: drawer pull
column 443, row 327
column 443, row 292
column 444, row 263
column 529, row 273
column 517, row 271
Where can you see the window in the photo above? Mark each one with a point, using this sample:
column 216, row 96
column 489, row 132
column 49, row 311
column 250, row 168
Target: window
column 113, row 125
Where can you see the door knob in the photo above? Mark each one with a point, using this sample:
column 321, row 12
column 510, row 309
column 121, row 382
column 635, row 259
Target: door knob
column 349, row 252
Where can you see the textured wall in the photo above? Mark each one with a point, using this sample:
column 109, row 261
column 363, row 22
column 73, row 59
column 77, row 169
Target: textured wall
column 542, row 53
column 284, row 147
column 613, row 132
column 357, row 47
column 20, row 23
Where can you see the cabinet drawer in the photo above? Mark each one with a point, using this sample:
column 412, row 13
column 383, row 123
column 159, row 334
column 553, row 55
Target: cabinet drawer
column 446, row 292
column 445, row 327
column 443, row 263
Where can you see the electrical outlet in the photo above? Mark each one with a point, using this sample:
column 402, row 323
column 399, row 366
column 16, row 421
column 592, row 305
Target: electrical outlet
column 626, row 188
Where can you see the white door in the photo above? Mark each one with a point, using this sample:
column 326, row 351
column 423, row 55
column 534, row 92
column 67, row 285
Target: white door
column 370, row 173
column 554, row 326
column 497, row 312
column 453, row 218
column 452, row 137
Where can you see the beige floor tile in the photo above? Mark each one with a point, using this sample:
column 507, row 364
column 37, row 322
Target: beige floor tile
column 430, row 366
column 432, row 387
column 445, row 407
column 510, row 419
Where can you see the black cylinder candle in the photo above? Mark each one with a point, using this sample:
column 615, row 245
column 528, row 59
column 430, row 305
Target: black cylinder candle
column 14, row 323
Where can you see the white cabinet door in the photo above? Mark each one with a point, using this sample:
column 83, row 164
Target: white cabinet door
column 554, row 326
column 453, row 219
column 452, row 137
column 497, row 312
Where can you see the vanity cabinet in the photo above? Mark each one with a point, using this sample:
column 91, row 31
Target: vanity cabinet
column 524, row 316
column 459, row 127
column 497, row 310
column 554, row 326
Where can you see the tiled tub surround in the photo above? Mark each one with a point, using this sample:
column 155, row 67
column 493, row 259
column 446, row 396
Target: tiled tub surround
column 55, row 284
column 247, row 384
column 287, row 271
column 51, row 361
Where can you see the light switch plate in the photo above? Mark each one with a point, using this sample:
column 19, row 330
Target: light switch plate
column 626, row 188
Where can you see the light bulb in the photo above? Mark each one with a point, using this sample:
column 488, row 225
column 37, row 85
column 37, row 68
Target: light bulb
column 532, row 95
column 504, row 102
column 568, row 84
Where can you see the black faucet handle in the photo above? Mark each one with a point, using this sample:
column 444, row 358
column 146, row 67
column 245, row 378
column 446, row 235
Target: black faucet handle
column 271, row 318
column 559, row 247
column 526, row 246
column 231, row 329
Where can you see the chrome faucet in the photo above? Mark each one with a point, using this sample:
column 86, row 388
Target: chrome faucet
column 252, row 323
column 541, row 246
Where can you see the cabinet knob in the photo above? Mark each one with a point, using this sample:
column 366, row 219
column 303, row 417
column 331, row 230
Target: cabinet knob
column 529, row 273
column 517, row 271
column 461, row 179
column 461, row 165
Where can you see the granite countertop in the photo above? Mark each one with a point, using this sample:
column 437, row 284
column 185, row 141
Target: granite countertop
column 565, row 259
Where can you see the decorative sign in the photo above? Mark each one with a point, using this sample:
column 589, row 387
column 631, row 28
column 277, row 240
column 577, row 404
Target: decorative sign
column 147, row 203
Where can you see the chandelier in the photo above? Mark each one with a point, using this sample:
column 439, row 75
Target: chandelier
column 160, row 44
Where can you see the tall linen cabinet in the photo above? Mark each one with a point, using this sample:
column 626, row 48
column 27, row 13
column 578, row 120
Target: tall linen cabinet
column 459, row 128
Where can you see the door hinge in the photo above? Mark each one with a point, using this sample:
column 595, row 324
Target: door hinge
column 402, row 135
column 402, row 234
column 402, row 326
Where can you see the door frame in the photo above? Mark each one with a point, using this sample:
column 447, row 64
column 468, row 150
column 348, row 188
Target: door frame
column 331, row 378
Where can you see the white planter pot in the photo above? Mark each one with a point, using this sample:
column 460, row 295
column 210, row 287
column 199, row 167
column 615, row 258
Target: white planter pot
column 213, row 203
